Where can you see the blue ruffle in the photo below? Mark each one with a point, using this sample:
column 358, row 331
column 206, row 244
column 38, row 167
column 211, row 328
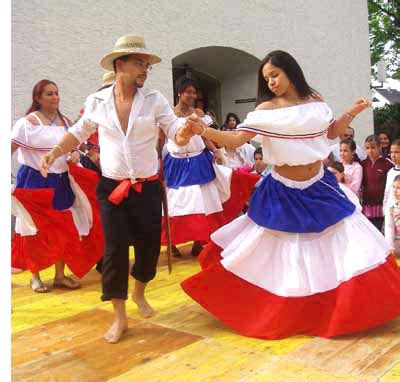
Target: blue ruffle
column 278, row 207
column 180, row 172
column 64, row 197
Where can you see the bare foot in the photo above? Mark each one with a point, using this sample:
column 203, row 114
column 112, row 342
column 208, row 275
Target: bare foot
column 144, row 308
column 114, row 334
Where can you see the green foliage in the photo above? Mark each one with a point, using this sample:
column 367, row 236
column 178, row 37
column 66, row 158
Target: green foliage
column 384, row 34
column 387, row 119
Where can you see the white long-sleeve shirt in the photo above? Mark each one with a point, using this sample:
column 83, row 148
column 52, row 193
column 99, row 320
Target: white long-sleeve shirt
column 388, row 195
column 131, row 155
column 392, row 224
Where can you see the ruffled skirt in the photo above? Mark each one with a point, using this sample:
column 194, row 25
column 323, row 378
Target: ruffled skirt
column 45, row 234
column 272, row 284
column 197, row 210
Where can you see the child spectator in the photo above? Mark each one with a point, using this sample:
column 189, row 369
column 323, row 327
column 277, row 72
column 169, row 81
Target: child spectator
column 393, row 172
column 392, row 218
column 375, row 169
column 337, row 169
column 352, row 169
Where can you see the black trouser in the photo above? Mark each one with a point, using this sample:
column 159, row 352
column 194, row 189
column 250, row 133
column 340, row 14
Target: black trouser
column 377, row 222
column 136, row 221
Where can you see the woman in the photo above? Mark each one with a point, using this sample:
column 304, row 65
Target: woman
column 57, row 222
column 385, row 142
column 231, row 122
column 303, row 260
column 202, row 196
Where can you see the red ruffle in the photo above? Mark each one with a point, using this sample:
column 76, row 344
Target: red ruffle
column 363, row 302
column 57, row 236
column 199, row 227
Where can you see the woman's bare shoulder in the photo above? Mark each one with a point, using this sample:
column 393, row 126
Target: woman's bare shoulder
column 267, row 105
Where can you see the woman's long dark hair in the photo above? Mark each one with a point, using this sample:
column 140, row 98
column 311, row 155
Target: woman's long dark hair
column 289, row 65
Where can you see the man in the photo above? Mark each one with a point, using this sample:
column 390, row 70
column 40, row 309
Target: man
column 348, row 134
column 127, row 118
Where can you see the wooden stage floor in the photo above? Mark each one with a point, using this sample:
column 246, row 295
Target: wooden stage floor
column 58, row 337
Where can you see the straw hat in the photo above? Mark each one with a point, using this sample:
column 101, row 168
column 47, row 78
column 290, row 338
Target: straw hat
column 108, row 78
column 128, row 45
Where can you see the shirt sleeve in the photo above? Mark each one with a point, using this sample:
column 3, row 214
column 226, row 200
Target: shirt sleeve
column 84, row 128
column 18, row 132
column 356, row 179
column 166, row 118
column 389, row 227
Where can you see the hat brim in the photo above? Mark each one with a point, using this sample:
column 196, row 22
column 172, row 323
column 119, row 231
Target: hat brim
column 107, row 61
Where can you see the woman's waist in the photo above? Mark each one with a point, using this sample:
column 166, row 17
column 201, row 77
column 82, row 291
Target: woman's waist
column 301, row 172
column 185, row 154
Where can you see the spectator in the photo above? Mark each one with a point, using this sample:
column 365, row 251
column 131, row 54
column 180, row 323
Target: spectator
column 384, row 141
column 393, row 172
column 352, row 168
column 348, row 134
column 375, row 169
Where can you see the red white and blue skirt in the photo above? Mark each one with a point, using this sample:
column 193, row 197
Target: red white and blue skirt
column 202, row 196
column 57, row 219
column 302, row 261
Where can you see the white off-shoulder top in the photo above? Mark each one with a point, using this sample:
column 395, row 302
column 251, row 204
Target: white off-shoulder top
column 35, row 141
column 293, row 135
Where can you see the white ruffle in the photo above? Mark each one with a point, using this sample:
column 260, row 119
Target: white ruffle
column 294, row 265
column 295, row 135
column 297, row 120
column 24, row 224
column 81, row 209
column 201, row 199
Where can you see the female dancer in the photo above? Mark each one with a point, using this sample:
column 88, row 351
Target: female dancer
column 57, row 217
column 303, row 260
column 202, row 196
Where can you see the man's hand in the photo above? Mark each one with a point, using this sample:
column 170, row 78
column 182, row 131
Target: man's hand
column 196, row 124
column 74, row 157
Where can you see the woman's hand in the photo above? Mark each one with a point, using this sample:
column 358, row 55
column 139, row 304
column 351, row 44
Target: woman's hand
column 360, row 105
column 46, row 162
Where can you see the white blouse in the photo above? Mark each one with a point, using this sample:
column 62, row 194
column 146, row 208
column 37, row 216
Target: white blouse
column 132, row 154
column 294, row 135
column 194, row 147
column 34, row 141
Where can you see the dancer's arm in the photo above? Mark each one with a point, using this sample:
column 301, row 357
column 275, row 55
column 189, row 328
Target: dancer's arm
column 67, row 143
column 231, row 139
column 342, row 123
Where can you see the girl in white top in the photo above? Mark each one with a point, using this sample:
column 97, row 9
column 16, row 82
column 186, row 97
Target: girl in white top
column 55, row 221
column 392, row 218
column 353, row 171
column 303, row 260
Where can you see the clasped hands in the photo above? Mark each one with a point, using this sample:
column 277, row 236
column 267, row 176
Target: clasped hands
column 194, row 125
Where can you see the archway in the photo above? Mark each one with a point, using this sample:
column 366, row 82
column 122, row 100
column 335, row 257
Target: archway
column 227, row 78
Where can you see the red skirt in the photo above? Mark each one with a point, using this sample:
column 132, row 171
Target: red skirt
column 365, row 301
column 57, row 237
column 199, row 227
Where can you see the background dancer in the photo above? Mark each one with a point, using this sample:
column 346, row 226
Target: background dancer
column 46, row 231
column 303, row 260
column 127, row 118
column 202, row 195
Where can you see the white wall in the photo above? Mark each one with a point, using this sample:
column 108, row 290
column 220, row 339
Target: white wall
column 242, row 87
column 64, row 41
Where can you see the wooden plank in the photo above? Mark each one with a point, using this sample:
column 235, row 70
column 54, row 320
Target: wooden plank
column 367, row 355
column 75, row 347
column 205, row 360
